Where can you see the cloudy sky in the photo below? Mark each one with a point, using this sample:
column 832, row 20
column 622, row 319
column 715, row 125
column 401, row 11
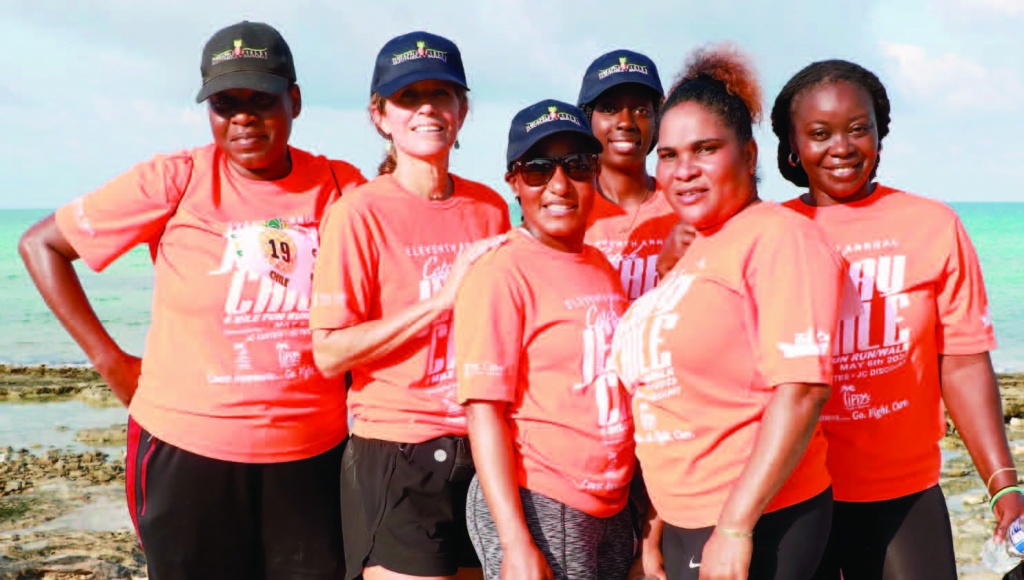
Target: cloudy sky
column 89, row 88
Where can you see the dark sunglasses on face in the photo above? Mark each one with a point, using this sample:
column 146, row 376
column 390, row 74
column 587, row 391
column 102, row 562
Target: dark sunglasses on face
column 538, row 171
column 226, row 105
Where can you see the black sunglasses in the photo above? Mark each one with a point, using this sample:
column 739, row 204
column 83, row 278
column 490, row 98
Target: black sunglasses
column 540, row 170
column 225, row 105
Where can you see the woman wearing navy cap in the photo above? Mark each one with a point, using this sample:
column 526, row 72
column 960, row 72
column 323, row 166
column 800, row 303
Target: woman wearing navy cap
column 392, row 257
column 621, row 93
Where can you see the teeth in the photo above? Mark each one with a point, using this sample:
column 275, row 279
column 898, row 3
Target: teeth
column 842, row 171
column 559, row 208
column 427, row 129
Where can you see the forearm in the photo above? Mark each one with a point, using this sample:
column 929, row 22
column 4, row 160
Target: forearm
column 495, row 466
column 336, row 351
column 48, row 258
column 786, row 429
column 971, row 392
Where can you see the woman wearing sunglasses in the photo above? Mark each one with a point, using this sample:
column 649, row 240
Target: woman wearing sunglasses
column 728, row 359
column 384, row 288
column 552, row 435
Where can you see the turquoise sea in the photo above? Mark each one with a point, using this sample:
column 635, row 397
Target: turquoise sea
column 29, row 334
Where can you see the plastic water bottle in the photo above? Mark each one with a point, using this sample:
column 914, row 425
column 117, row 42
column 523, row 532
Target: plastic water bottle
column 1001, row 558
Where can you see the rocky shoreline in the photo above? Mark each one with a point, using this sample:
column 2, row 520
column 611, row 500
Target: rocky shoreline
column 62, row 513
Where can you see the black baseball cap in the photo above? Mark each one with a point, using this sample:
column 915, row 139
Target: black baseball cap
column 416, row 56
column 615, row 68
column 247, row 55
column 542, row 120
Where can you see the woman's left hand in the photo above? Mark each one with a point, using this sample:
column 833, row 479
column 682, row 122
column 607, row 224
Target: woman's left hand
column 1008, row 508
column 726, row 557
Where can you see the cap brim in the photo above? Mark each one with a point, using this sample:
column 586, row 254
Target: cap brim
column 391, row 87
column 540, row 135
column 596, row 92
column 257, row 81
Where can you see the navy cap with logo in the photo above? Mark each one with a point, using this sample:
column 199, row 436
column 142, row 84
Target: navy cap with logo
column 544, row 119
column 247, row 55
column 414, row 57
column 615, row 68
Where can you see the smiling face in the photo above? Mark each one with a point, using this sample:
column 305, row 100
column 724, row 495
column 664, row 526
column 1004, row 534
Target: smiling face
column 707, row 175
column 623, row 121
column 423, row 120
column 555, row 213
column 835, row 135
column 252, row 128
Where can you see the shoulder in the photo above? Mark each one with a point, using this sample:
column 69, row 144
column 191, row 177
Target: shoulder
column 478, row 191
column 921, row 207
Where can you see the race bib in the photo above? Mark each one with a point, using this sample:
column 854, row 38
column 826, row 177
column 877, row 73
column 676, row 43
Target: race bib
column 279, row 251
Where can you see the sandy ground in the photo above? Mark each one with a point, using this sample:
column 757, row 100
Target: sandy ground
column 63, row 515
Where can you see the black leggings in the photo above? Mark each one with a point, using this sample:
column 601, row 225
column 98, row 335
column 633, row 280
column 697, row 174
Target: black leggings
column 904, row 538
column 788, row 543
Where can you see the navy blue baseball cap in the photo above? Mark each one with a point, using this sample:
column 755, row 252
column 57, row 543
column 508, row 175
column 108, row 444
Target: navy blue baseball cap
column 247, row 55
column 413, row 57
column 615, row 68
column 544, row 119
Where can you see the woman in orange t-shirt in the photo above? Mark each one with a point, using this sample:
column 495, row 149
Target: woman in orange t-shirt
column 727, row 358
column 234, row 438
column 383, row 291
column 922, row 337
column 620, row 94
column 550, row 429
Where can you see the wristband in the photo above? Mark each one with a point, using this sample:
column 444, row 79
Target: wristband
column 988, row 484
column 734, row 533
column 1001, row 493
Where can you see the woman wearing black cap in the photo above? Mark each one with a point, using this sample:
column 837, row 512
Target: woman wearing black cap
column 551, row 430
column 631, row 222
column 383, row 293
column 234, row 438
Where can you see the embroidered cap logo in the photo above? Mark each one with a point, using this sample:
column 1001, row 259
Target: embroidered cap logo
column 239, row 51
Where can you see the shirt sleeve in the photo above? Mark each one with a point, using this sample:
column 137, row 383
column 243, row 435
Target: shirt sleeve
column 488, row 334
column 130, row 209
column 346, row 269
column 964, row 323
column 347, row 175
column 795, row 281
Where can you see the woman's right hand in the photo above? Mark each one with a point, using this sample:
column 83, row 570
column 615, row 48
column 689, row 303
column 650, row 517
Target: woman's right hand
column 465, row 259
column 523, row 561
column 650, row 564
column 121, row 372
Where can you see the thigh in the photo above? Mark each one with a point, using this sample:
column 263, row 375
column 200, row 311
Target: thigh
column 483, row 532
column 789, row 543
column 301, row 524
column 681, row 549
column 197, row 517
column 616, row 548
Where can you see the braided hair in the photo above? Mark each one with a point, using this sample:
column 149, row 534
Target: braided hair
column 814, row 74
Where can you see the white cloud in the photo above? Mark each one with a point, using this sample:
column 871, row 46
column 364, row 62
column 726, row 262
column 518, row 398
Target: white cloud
column 951, row 79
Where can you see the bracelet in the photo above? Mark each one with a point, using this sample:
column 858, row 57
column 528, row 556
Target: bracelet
column 1001, row 493
column 988, row 484
column 736, row 533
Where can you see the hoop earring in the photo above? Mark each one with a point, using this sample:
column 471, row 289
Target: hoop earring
column 793, row 159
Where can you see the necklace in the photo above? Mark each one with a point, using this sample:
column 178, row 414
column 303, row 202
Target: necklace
column 636, row 212
column 449, row 189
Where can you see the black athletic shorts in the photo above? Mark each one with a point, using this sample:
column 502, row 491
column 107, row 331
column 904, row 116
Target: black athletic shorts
column 200, row 518
column 905, row 537
column 788, row 543
column 405, row 506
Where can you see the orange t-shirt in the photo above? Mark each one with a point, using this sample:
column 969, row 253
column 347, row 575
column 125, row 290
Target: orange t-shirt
column 533, row 327
column 384, row 249
column 632, row 242
column 750, row 306
column 228, row 369
column 922, row 293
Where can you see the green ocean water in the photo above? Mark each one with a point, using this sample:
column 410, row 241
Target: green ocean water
column 29, row 334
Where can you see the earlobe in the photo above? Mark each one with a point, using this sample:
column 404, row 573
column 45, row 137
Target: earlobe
column 751, row 149
column 296, row 95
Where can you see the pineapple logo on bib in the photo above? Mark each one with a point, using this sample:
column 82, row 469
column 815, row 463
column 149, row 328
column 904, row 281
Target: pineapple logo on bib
column 278, row 251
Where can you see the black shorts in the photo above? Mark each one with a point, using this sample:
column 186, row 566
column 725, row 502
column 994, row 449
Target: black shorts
column 788, row 543
column 405, row 507
column 200, row 518
column 905, row 537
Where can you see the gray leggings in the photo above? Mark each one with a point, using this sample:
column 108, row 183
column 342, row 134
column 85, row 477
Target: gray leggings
column 577, row 546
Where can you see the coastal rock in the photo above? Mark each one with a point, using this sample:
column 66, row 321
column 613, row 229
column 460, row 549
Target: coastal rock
column 115, row 435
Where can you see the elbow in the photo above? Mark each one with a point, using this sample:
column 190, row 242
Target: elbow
column 325, row 360
column 29, row 245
